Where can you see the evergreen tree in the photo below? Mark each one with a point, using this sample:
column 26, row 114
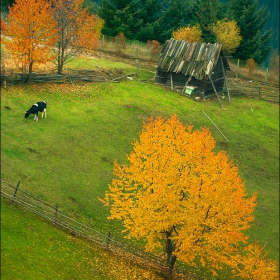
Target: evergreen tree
column 120, row 16
column 5, row 4
column 174, row 16
column 144, row 19
column 149, row 13
column 106, row 12
column 251, row 20
column 206, row 13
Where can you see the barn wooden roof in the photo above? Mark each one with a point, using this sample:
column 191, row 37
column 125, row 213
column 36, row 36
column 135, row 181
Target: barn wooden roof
column 195, row 59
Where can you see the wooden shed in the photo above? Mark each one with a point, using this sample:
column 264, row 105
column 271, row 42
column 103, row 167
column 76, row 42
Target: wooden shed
column 192, row 68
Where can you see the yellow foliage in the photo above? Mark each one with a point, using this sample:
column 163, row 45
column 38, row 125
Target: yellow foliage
column 227, row 34
column 254, row 264
column 174, row 180
column 188, row 34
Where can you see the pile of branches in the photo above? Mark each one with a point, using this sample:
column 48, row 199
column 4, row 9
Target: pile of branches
column 73, row 76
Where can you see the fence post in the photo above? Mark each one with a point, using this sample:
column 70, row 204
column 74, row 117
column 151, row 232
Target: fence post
column 15, row 192
column 266, row 74
column 108, row 240
column 138, row 63
column 260, row 92
column 237, row 69
column 55, row 214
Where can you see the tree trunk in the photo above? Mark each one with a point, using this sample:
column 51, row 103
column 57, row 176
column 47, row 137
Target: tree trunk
column 60, row 60
column 30, row 67
column 171, row 259
column 60, row 67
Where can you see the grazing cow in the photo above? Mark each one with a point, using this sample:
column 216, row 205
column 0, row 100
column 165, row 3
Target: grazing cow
column 40, row 106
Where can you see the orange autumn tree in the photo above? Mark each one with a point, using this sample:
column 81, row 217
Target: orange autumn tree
column 78, row 30
column 176, row 192
column 254, row 264
column 31, row 32
column 188, row 34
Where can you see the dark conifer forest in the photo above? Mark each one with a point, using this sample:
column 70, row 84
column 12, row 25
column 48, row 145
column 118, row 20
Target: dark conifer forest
column 145, row 20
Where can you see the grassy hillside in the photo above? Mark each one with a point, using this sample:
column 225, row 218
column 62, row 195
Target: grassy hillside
column 33, row 249
column 67, row 158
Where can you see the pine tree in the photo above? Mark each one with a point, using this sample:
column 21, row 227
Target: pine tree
column 120, row 16
column 174, row 16
column 5, row 4
column 206, row 13
column 251, row 20
column 144, row 19
column 149, row 14
column 106, row 12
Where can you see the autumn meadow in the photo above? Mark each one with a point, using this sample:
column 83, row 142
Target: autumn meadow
column 68, row 159
column 185, row 179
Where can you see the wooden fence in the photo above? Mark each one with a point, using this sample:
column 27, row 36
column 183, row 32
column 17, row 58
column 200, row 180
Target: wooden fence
column 254, row 92
column 73, row 76
column 105, row 241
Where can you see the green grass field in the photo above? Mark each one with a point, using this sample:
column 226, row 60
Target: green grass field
column 34, row 249
column 68, row 157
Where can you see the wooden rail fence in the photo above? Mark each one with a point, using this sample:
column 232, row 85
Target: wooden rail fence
column 105, row 241
column 256, row 92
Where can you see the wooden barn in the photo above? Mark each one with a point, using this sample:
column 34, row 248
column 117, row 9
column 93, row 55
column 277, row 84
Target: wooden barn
column 193, row 68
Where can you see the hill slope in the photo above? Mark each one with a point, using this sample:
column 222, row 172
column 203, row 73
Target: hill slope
column 67, row 158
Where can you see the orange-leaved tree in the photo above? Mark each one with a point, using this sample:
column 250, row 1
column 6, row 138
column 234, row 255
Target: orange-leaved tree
column 178, row 193
column 254, row 264
column 227, row 33
column 30, row 33
column 78, row 30
column 188, row 34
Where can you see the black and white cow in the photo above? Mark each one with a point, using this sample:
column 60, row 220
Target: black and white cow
column 40, row 106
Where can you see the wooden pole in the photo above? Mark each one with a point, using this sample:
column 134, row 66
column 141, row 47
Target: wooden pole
column 171, row 79
column 55, row 214
column 215, row 126
column 224, row 72
column 122, row 77
column 216, row 92
column 187, row 82
column 138, row 63
column 237, row 68
column 69, row 77
column 15, row 192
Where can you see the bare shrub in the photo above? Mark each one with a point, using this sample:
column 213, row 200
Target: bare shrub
column 252, row 66
column 154, row 48
column 274, row 66
column 120, row 43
